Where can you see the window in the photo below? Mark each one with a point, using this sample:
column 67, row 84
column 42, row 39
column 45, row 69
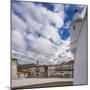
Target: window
column 74, row 27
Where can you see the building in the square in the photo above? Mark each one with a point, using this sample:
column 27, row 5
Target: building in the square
column 64, row 70
column 14, row 68
column 32, row 70
column 51, row 70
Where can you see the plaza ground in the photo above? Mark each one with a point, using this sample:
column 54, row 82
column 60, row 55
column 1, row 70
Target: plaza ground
column 40, row 82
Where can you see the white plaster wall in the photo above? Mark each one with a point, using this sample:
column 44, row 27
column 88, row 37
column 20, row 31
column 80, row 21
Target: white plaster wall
column 80, row 67
column 75, row 33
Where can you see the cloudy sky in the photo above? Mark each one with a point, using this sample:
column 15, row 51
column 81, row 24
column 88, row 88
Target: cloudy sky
column 40, row 31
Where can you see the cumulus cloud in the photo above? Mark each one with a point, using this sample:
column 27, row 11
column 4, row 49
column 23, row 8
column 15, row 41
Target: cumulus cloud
column 58, row 7
column 42, row 45
column 42, row 14
column 27, row 16
column 18, row 41
column 51, row 33
column 18, row 23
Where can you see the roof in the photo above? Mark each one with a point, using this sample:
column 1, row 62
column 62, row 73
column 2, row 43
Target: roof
column 14, row 59
column 69, row 62
column 77, row 20
column 26, row 66
column 79, row 17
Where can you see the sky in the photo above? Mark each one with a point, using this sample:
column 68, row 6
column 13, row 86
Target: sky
column 40, row 31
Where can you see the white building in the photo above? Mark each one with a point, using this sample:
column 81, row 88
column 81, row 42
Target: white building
column 79, row 46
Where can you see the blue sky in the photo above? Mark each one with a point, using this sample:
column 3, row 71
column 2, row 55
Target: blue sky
column 40, row 31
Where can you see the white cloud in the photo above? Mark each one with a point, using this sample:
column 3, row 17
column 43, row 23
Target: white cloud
column 58, row 7
column 38, row 19
column 18, row 23
column 51, row 33
column 42, row 45
column 18, row 40
column 42, row 14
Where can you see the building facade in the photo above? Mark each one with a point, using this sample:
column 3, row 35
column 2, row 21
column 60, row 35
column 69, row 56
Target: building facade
column 64, row 70
column 14, row 68
column 34, row 71
column 78, row 29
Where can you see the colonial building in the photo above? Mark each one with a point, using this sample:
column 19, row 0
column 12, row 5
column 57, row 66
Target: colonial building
column 64, row 70
column 14, row 68
column 32, row 70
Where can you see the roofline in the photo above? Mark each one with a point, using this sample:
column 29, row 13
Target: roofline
column 75, row 21
column 80, row 19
